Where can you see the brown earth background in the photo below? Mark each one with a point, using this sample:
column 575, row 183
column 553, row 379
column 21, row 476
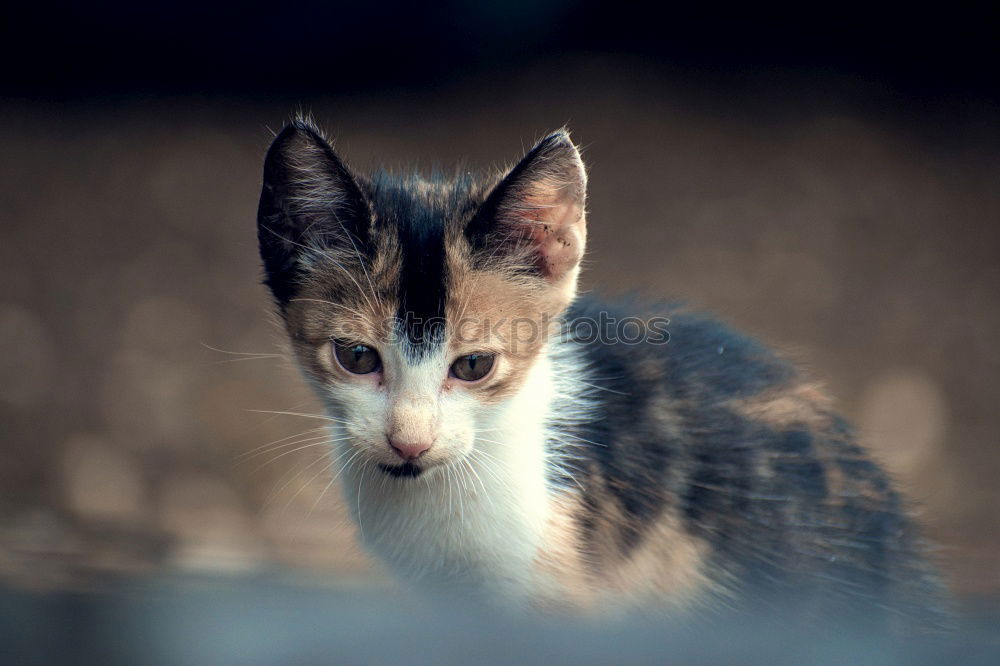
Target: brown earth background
column 831, row 218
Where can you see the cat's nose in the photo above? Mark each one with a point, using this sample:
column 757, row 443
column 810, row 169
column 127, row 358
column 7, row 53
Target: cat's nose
column 408, row 450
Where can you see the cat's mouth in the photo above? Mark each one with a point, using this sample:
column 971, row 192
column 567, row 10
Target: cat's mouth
column 406, row 470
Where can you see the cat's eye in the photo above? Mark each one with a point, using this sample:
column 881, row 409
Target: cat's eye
column 472, row 367
column 356, row 358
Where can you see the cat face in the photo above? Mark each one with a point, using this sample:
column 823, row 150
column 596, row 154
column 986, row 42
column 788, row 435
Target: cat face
column 418, row 307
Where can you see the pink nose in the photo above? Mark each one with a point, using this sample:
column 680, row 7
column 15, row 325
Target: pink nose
column 408, row 450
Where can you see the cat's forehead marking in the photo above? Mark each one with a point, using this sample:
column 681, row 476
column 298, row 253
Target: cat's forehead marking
column 416, row 214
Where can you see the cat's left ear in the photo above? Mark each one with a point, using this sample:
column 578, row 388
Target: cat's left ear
column 536, row 214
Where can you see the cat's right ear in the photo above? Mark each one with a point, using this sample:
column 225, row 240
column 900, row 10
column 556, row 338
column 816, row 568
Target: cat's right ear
column 534, row 217
column 309, row 201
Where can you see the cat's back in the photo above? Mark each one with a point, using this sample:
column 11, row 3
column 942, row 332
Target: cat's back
column 717, row 456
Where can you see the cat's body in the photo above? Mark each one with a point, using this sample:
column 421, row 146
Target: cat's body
column 489, row 446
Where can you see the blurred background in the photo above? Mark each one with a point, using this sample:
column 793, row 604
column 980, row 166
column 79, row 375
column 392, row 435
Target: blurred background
column 826, row 181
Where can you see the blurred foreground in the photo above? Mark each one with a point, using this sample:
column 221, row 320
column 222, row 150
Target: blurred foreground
column 272, row 621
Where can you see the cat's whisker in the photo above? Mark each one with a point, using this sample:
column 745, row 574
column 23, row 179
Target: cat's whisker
column 569, row 434
column 322, row 493
column 447, row 471
column 476, row 431
column 235, row 353
column 461, row 485
column 250, row 358
column 312, row 440
column 599, row 388
column 487, row 454
column 275, row 415
column 453, row 480
column 320, row 442
column 323, row 417
column 297, row 474
column 563, row 470
column 493, row 441
column 322, row 471
column 489, row 460
column 302, row 444
column 473, row 455
column 353, row 454
column 482, row 485
column 361, row 527
column 283, row 439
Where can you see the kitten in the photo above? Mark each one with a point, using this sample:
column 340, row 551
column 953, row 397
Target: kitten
column 501, row 437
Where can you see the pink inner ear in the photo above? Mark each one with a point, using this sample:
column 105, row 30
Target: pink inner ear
column 555, row 233
column 540, row 216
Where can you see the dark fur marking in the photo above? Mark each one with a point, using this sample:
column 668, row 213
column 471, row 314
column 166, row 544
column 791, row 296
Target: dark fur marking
column 419, row 226
column 419, row 213
column 795, row 512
